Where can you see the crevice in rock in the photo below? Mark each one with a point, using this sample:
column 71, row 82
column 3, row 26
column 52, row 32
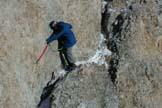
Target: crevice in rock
column 146, row 74
column 113, row 44
column 104, row 21
column 114, row 37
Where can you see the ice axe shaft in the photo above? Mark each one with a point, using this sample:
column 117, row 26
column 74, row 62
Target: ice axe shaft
column 43, row 52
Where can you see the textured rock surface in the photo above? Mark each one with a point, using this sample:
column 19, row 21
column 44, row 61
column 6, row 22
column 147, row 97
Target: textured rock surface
column 23, row 30
column 90, row 88
column 134, row 35
column 136, row 46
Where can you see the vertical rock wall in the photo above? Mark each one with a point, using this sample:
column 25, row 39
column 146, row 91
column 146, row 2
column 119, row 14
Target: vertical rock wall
column 134, row 37
column 90, row 87
column 23, row 30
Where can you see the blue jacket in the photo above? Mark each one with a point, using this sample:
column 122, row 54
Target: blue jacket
column 65, row 33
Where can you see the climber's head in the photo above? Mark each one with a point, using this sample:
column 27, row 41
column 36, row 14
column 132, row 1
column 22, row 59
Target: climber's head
column 52, row 24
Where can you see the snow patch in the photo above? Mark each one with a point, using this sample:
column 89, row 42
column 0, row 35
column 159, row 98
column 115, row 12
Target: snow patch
column 118, row 10
column 100, row 55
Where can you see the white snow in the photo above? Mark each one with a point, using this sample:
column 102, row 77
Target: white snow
column 118, row 10
column 99, row 56
column 103, row 4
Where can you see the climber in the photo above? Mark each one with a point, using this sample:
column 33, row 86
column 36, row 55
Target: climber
column 66, row 40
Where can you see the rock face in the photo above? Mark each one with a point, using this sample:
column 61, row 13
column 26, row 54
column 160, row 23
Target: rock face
column 89, row 88
column 134, row 33
column 23, row 30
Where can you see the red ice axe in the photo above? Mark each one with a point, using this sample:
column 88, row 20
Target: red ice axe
column 43, row 52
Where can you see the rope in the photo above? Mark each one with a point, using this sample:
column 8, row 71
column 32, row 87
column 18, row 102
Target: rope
column 54, row 50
